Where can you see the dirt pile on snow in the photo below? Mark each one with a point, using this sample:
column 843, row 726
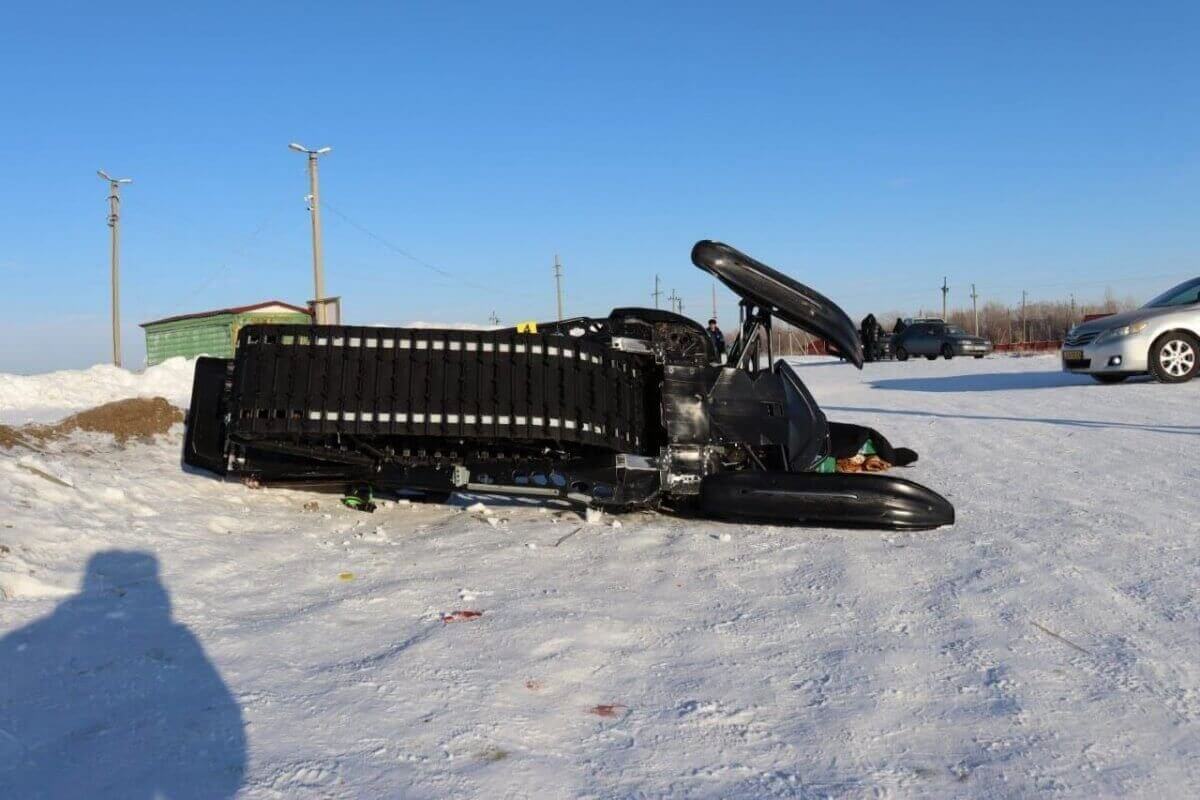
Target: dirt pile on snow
column 51, row 396
column 139, row 418
column 10, row 437
column 136, row 418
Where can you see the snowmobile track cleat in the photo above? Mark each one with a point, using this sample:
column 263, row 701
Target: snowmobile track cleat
column 634, row 410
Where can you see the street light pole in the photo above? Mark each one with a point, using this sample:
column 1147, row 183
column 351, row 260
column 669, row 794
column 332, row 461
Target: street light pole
column 558, row 284
column 975, row 307
column 114, row 224
column 314, row 208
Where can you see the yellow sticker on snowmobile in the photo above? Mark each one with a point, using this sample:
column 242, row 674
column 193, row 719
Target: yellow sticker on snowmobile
column 527, row 327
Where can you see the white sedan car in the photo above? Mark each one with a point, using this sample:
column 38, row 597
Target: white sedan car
column 1162, row 338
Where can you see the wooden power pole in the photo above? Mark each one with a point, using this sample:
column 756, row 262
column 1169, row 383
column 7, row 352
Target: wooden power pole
column 975, row 307
column 114, row 224
column 558, row 284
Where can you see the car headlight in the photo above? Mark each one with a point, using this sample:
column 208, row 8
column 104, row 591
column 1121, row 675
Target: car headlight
column 1125, row 330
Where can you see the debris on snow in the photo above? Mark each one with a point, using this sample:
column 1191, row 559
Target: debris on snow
column 594, row 516
column 564, row 537
column 608, row 710
column 460, row 616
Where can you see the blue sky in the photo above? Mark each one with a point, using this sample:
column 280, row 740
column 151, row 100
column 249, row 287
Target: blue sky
column 866, row 148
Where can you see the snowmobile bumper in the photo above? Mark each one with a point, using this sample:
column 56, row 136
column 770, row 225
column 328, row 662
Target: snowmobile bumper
column 837, row 500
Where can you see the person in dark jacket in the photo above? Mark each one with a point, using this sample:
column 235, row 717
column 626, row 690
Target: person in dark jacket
column 718, row 338
column 868, row 334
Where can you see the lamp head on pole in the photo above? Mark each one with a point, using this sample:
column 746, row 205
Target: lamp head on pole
column 111, row 179
column 299, row 148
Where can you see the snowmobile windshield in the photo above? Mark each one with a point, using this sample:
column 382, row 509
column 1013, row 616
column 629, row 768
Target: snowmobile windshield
column 1185, row 294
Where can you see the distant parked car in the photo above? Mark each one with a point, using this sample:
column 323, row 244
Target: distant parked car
column 933, row 338
column 1162, row 338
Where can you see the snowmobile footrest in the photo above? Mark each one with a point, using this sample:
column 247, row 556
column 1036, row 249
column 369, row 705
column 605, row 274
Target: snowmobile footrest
column 837, row 501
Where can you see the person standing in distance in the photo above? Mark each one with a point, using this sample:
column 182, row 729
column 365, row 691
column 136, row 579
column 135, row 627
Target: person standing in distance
column 718, row 338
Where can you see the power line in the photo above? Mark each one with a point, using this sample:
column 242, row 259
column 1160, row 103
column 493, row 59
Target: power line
column 389, row 245
column 395, row 248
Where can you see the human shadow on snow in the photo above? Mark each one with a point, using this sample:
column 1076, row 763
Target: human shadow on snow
column 1187, row 430
column 109, row 697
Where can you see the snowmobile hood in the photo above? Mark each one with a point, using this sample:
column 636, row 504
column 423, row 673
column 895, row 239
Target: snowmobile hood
column 790, row 300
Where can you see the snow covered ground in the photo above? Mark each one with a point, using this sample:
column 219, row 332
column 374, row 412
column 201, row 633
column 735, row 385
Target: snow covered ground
column 1048, row 643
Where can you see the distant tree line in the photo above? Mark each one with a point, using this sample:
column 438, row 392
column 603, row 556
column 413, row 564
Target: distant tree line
column 1040, row 321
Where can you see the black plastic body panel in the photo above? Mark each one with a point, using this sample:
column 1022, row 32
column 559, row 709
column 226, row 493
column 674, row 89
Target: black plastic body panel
column 788, row 299
column 204, row 437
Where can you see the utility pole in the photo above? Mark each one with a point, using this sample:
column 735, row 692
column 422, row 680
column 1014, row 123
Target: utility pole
column 558, row 284
column 714, row 299
column 314, row 209
column 675, row 301
column 975, row 307
column 657, row 292
column 114, row 223
column 1024, row 325
column 1072, row 308
column 945, row 291
column 494, row 319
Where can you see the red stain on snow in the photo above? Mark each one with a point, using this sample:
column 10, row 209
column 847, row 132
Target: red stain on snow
column 460, row 616
column 606, row 710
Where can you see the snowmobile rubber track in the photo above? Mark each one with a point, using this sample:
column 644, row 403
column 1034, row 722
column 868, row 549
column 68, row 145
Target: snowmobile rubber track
column 857, row 500
column 300, row 382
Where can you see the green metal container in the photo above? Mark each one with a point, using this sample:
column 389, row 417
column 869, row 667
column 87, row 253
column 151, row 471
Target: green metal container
column 213, row 333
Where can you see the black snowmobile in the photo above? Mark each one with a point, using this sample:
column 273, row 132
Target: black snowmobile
column 635, row 410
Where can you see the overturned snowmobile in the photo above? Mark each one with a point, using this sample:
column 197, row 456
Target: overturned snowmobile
column 630, row 411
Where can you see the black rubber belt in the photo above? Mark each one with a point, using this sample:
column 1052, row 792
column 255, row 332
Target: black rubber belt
column 293, row 380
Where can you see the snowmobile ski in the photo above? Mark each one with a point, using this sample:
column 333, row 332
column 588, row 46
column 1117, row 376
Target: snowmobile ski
column 828, row 500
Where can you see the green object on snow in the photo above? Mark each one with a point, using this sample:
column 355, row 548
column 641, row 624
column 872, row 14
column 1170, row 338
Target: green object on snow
column 829, row 463
column 363, row 500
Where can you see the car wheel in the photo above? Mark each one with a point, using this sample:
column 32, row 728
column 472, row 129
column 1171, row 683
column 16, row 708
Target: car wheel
column 979, row 356
column 1174, row 357
column 901, row 354
column 947, row 352
column 1109, row 378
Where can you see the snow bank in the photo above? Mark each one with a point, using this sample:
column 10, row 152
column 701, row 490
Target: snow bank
column 53, row 395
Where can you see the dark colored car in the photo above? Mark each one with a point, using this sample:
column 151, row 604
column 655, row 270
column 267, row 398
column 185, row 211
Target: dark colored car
column 935, row 338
